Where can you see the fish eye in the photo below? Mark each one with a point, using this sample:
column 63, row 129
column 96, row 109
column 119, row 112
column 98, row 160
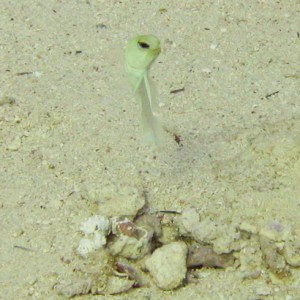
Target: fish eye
column 144, row 45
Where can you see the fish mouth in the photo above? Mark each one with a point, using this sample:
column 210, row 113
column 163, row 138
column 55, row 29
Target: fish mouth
column 156, row 51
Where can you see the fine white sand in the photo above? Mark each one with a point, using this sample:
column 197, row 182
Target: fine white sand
column 69, row 129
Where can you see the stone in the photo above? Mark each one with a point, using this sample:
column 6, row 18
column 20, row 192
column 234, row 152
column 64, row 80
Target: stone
column 167, row 265
column 292, row 252
column 129, row 240
column 188, row 219
column 205, row 256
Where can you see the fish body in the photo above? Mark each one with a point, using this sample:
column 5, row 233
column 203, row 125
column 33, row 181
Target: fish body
column 140, row 53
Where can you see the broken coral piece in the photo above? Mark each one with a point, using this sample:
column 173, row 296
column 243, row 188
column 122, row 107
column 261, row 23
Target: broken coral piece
column 96, row 229
column 205, row 256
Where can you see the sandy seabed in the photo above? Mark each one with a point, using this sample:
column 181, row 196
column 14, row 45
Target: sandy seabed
column 69, row 129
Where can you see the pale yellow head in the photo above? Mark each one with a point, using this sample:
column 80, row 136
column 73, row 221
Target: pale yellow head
column 141, row 51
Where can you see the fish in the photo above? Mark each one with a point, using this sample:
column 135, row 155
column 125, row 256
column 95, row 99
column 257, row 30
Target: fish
column 140, row 53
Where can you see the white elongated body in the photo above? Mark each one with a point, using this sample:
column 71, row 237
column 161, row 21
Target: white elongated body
column 140, row 54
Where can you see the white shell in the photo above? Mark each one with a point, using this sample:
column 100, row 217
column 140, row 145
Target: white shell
column 94, row 224
column 96, row 228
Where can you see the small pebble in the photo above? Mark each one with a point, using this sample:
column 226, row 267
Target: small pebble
column 188, row 219
column 150, row 222
column 167, row 265
column 205, row 231
column 273, row 231
column 199, row 255
column 292, row 252
column 130, row 241
column 272, row 257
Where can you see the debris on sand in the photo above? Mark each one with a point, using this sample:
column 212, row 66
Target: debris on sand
column 137, row 243
column 167, row 265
